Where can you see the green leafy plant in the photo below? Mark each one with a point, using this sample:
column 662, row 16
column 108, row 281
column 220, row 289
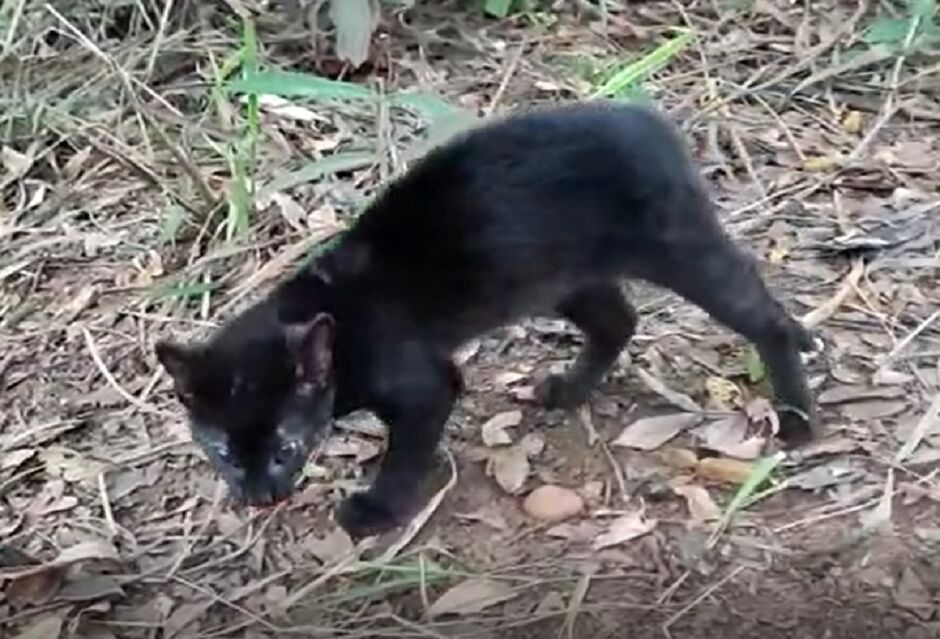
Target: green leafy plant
column 626, row 81
column 241, row 153
column 912, row 32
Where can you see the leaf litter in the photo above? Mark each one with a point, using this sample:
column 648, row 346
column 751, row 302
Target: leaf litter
column 838, row 245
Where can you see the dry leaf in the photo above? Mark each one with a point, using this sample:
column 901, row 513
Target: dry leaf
column 650, row 433
column 730, row 471
column 88, row 587
column 494, row 430
column 623, row 529
column 878, row 409
column 890, row 377
column 335, row 545
column 17, row 164
column 35, row 588
column 552, row 503
column 291, row 211
column 87, row 551
column 675, row 398
column 723, row 392
column 510, row 468
column 533, row 444
column 838, row 471
column 11, row 460
column 471, row 596
column 847, row 394
column 912, row 595
column 75, row 163
column 45, row 628
column 701, row 506
column 731, row 436
column 184, row 615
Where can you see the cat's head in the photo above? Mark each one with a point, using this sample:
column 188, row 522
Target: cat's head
column 258, row 396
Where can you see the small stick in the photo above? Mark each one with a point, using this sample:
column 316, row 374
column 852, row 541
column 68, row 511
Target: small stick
column 830, row 306
column 103, row 369
column 701, row 597
column 106, row 504
column 926, row 423
column 510, row 71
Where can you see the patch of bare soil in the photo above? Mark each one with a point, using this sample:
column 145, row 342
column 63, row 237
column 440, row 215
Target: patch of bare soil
column 821, row 150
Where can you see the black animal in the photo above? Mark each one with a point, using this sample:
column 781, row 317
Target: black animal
column 538, row 213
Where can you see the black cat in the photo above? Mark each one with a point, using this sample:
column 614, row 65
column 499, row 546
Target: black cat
column 538, row 213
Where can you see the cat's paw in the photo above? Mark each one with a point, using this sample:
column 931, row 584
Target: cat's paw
column 795, row 429
column 557, row 391
column 362, row 515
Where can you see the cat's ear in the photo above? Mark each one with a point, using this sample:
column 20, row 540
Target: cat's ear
column 180, row 362
column 312, row 346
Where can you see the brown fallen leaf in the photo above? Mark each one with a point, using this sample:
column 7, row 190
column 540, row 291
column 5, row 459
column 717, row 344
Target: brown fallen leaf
column 724, row 469
column 335, row 545
column 45, row 628
column 35, row 588
column 71, row 465
column 552, row 503
column 88, row 587
column 533, row 444
column 847, row 394
column 184, row 615
column 11, row 460
column 876, row 409
column 471, row 596
column 701, row 506
column 890, row 377
column 509, row 467
column 837, row 445
column 731, row 436
column 650, row 433
column 623, row 529
column 494, row 432
column 911, row 594
column 681, row 400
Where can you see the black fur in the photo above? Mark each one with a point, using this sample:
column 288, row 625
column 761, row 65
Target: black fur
column 539, row 213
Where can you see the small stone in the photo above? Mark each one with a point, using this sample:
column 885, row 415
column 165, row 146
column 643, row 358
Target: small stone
column 552, row 503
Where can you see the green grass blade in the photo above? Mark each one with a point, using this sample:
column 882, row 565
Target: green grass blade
column 640, row 70
column 290, row 84
column 760, row 473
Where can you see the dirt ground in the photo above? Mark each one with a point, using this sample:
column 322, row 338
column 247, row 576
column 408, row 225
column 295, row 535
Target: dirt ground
column 821, row 150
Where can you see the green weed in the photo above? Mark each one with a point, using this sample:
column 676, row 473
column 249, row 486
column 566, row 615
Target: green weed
column 913, row 32
column 626, row 82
